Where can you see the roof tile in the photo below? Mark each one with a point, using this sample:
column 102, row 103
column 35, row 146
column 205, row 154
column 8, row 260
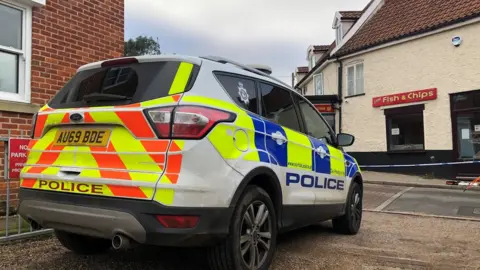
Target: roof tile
column 398, row 19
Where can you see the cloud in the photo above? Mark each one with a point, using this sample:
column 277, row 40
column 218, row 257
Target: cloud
column 272, row 32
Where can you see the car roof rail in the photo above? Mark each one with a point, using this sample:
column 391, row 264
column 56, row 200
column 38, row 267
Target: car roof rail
column 224, row 60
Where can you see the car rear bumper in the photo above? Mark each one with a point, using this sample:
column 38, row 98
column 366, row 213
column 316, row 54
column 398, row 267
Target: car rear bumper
column 104, row 217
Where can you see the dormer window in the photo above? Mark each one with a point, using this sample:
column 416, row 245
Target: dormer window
column 339, row 34
column 312, row 61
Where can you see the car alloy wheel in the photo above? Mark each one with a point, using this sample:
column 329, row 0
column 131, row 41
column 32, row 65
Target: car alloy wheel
column 255, row 235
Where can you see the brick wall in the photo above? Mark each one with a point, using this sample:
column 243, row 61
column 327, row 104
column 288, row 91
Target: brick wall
column 65, row 35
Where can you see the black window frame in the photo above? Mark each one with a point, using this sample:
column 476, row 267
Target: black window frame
column 240, row 76
column 331, row 131
column 403, row 111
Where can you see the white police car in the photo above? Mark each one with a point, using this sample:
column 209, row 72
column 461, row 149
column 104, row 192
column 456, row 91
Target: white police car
column 185, row 151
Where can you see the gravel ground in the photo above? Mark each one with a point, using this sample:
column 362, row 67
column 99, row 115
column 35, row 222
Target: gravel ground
column 386, row 241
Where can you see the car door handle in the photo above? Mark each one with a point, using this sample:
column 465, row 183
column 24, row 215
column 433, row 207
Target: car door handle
column 279, row 138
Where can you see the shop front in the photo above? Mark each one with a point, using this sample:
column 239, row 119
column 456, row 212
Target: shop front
column 465, row 111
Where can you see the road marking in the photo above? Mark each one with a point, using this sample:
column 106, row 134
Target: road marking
column 391, row 199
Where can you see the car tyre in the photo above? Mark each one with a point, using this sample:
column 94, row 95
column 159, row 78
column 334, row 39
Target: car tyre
column 252, row 237
column 82, row 244
column 350, row 222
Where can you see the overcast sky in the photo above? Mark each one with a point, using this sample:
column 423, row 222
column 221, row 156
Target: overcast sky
column 271, row 32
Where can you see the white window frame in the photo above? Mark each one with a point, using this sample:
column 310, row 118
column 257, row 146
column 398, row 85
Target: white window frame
column 24, row 59
column 312, row 61
column 319, row 76
column 355, row 79
column 338, row 32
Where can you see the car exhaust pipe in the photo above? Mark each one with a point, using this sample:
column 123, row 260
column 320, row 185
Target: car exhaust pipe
column 35, row 226
column 120, row 242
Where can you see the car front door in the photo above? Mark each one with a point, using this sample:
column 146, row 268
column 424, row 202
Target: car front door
column 329, row 161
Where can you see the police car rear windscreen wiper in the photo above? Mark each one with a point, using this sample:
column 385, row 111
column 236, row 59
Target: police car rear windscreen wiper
column 104, row 97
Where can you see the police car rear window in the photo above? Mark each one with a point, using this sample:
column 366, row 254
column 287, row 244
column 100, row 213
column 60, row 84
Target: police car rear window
column 119, row 85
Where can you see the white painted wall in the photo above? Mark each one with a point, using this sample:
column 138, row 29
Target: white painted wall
column 427, row 62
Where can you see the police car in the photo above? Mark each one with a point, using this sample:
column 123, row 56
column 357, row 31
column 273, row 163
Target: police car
column 185, row 151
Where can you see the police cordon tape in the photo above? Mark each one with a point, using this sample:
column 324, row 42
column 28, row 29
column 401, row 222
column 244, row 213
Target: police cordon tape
column 421, row 164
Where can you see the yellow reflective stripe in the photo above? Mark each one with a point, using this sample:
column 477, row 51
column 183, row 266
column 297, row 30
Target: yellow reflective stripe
column 45, row 107
column 39, row 147
column 337, row 161
column 106, row 117
column 181, row 78
column 158, row 101
column 51, row 170
column 67, row 155
column 54, row 118
column 299, row 150
column 164, row 195
column 91, row 173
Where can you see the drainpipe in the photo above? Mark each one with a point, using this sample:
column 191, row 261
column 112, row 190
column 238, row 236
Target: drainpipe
column 340, row 92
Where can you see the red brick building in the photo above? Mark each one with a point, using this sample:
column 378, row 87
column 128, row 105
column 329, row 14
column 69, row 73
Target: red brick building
column 42, row 43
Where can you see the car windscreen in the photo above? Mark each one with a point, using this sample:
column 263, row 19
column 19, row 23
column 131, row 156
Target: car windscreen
column 119, row 85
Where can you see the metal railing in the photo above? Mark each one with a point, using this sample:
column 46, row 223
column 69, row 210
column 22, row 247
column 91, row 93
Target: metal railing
column 12, row 225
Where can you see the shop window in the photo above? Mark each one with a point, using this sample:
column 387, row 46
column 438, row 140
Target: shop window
column 405, row 130
column 355, row 82
column 15, row 35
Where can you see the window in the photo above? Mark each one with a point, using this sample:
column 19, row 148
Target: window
column 318, row 80
column 131, row 83
column 315, row 125
column 338, row 34
column 241, row 90
column 405, row 128
column 330, row 118
column 14, row 54
column 278, row 106
column 355, row 80
column 312, row 61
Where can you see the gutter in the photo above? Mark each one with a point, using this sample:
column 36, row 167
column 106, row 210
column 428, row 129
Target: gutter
column 312, row 72
column 340, row 92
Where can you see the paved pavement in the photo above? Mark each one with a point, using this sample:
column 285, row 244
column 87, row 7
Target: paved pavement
column 410, row 180
column 386, row 240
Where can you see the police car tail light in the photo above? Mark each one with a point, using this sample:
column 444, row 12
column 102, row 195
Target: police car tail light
column 161, row 119
column 195, row 121
column 188, row 122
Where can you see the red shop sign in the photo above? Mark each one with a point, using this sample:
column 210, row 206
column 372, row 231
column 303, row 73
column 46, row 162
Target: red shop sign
column 17, row 156
column 324, row 108
column 406, row 97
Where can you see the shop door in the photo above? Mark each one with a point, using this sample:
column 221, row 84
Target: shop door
column 468, row 142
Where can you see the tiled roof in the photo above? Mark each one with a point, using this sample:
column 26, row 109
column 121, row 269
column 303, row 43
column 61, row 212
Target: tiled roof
column 321, row 47
column 302, row 69
column 351, row 14
column 398, row 19
column 320, row 61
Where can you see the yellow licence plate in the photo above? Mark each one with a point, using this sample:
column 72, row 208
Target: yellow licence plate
column 79, row 137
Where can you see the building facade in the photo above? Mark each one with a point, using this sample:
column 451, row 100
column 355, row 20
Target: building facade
column 42, row 43
column 409, row 86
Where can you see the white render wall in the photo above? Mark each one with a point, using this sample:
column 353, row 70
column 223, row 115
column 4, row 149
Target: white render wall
column 428, row 62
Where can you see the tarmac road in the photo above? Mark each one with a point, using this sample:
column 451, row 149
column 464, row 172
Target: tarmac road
column 386, row 241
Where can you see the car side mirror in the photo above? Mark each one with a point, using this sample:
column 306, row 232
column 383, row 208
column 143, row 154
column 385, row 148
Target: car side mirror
column 344, row 139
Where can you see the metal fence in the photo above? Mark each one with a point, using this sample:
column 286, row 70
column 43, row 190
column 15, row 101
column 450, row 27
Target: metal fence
column 12, row 226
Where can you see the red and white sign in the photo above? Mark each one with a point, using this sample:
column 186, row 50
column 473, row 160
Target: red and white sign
column 324, row 108
column 17, row 156
column 406, row 97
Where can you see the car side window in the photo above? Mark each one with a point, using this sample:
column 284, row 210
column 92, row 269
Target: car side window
column 315, row 125
column 278, row 106
column 241, row 90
